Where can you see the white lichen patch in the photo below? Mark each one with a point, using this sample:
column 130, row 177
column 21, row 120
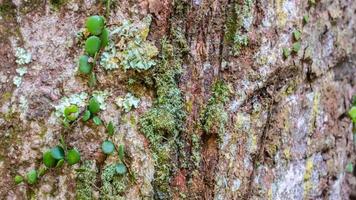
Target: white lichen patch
column 17, row 80
column 101, row 96
column 22, row 56
column 128, row 102
column 21, row 71
column 74, row 99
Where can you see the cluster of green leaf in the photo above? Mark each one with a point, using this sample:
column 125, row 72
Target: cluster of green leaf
column 86, row 180
column 98, row 39
column 54, row 157
column 295, row 46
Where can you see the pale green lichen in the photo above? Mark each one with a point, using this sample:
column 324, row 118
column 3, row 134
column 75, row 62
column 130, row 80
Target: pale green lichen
column 17, row 80
column 214, row 116
column 132, row 51
column 128, row 102
column 101, row 96
column 74, row 99
column 86, row 180
column 238, row 24
column 108, row 59
column 113, row 184
column 22, row 56
column 163, row 123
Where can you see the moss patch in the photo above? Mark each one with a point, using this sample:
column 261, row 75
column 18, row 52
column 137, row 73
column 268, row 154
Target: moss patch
column 86, row 178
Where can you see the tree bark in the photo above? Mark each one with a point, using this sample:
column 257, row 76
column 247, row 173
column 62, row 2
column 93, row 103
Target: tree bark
column 245, row 99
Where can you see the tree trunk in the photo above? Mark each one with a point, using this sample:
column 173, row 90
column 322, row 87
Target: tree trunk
column 210, row 99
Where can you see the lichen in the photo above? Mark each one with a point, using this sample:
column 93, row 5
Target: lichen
column 128, row 102
column 307, row 176
column 22, row 56
column 113, row 185
column 214, row 116
column 86, row 179
column 238, row 22
column 163, row 123
column 132, row 51
column 101, row 96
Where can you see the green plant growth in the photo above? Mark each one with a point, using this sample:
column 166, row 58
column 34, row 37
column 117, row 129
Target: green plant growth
column 164, row 121
column 352, row 114
column 297, row 35
column 86, row 179
column 286, row 53
column 110, row 128
column 31, row 177
column 98, row 39
column 108, row 147
column 296, row 47
column 18, row 179
column 73, row 156
column 84, row 65
column 214, row 116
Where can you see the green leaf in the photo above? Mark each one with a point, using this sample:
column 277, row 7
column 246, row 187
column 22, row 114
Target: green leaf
column 18, row 179
column 97, row 121
column 296, row 47
column 107, row 147
column 110, row 128
column 42, row 171
column 86, row 116
column 121, row 152
column 120, row 169
column 352, row 113
column 297, row 35
column 48, row 160
column 57, row 152
column 286, row 52
column 305, row 19
column 71, row 112
column 31, row 177
column 95, row 24
column 60, row 163
column 92, row 80
column 84, row 66
column 73, row 156
column 349, row 168
column 94, row 105
column 104, row 37
column 92, row 45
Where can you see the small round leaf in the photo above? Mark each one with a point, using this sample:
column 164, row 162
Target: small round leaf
column 48, row 160
column 73, row 156
column 120, row 169
column 32, row 177
column 110, row 128
column 121, row 152
column 95, row 24
column 84, row 66
column 94, row 105
column 104, row 37
column 60, row 163
column 86, row 116
column 92, row 45
column 107, row 147
column 97, row 121
column 18, row 179
column 57, row 152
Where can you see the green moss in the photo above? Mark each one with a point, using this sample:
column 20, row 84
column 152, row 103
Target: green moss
column 86, row 178
column 58, row 3
column 214, row 116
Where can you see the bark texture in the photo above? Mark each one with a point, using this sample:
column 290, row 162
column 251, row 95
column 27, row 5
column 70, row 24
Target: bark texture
column 235, row 105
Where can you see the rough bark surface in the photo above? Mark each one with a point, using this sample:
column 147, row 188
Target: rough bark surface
column 222, row 113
